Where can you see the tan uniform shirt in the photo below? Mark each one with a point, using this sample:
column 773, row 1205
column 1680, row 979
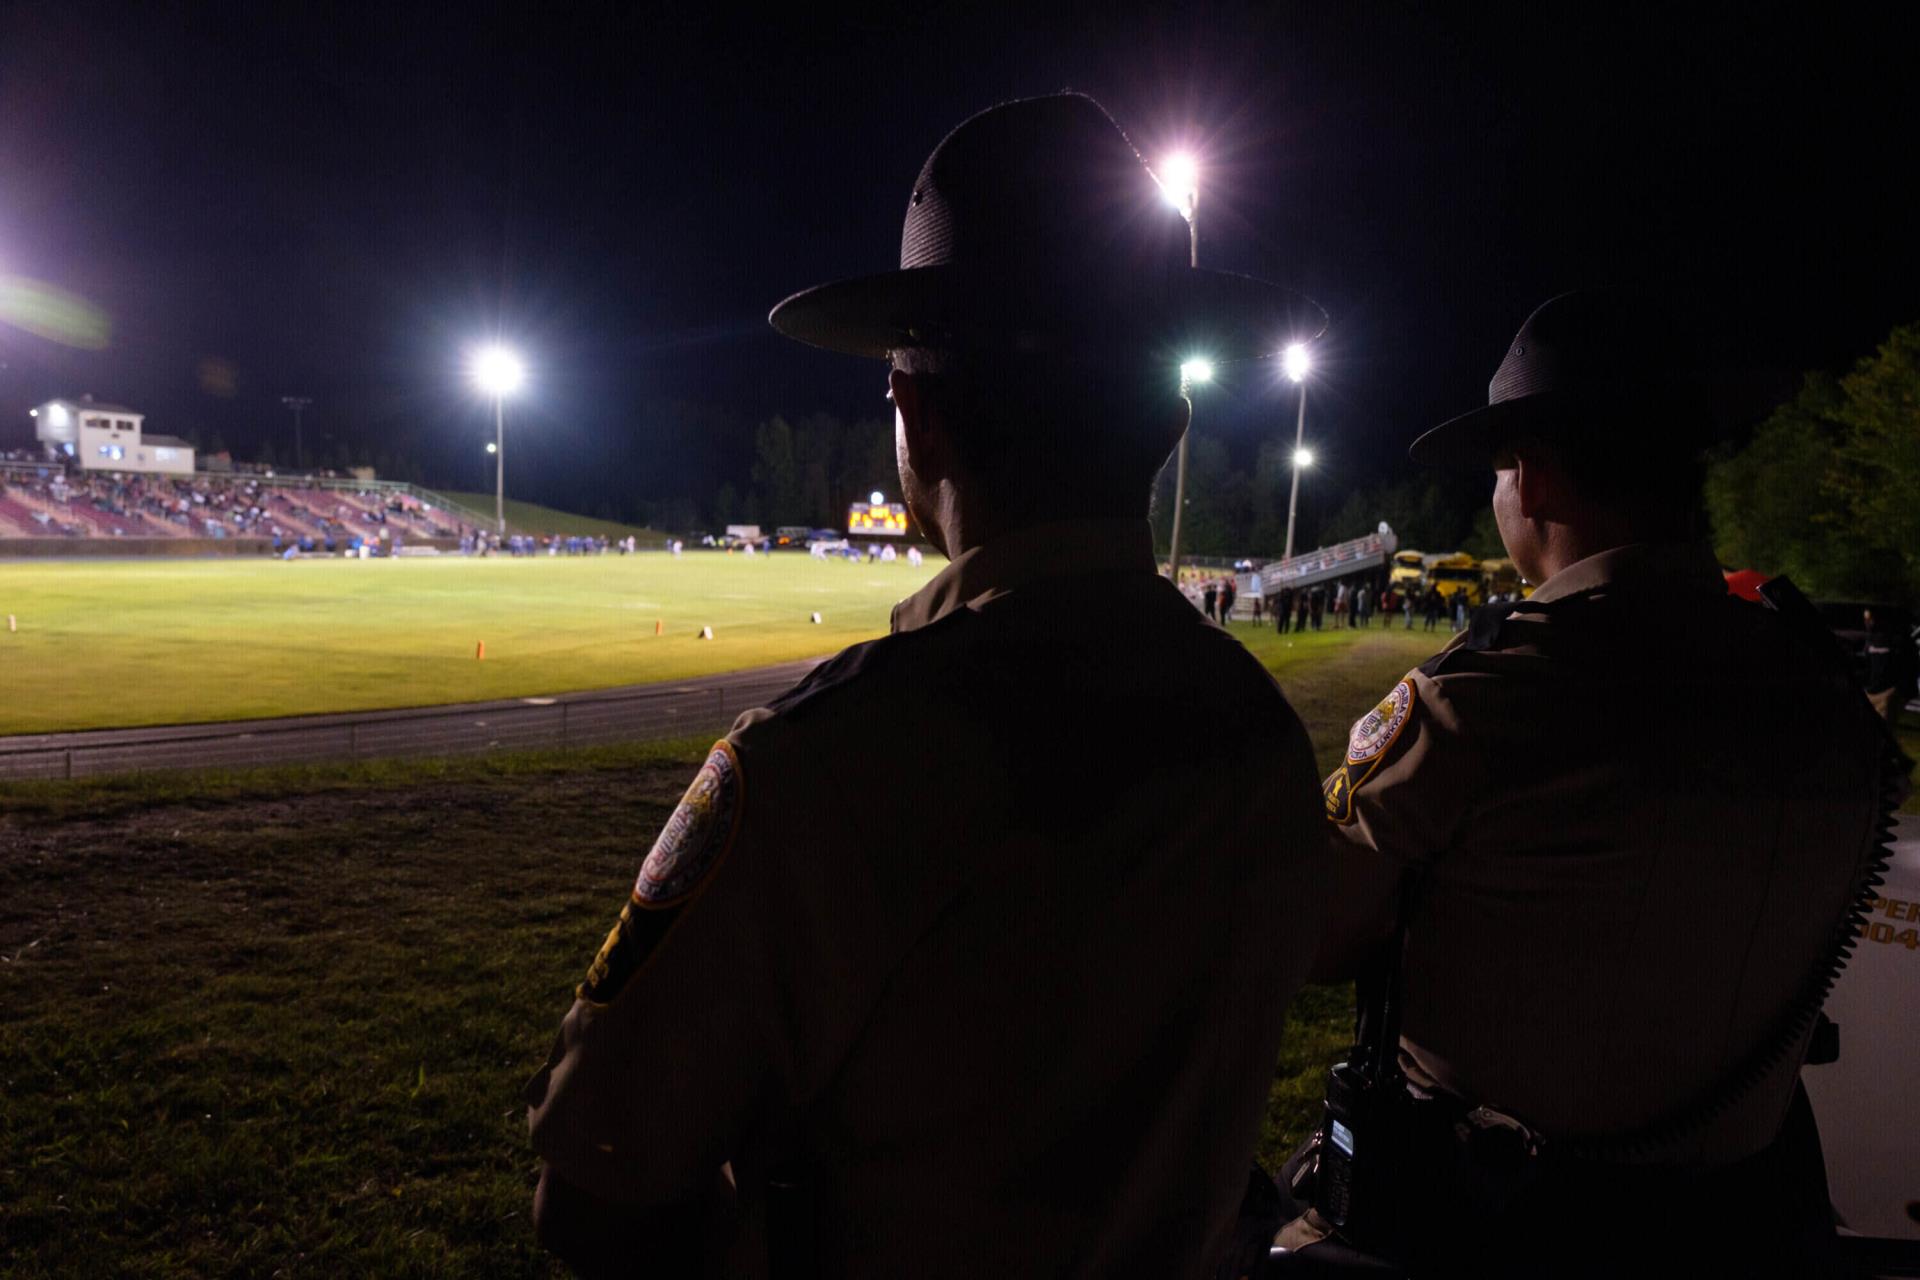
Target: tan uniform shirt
column 1639, row 804
column 984, row 922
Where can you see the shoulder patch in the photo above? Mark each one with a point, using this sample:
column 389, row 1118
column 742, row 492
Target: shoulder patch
column 697, row 835
column 1367, row 745
column 1337, row 790
column 695, row 839
column 1374, row 732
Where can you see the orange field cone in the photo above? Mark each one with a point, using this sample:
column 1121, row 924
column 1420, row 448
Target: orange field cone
column 657, row 628
column 479, row 650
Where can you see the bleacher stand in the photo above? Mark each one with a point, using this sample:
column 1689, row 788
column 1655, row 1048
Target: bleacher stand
column 46, row 501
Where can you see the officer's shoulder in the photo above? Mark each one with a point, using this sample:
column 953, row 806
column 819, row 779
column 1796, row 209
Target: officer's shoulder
column 1514, row 638
column 870, row 669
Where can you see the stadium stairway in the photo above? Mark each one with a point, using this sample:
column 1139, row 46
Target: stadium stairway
column 300, row 521
column 109, row 525
column 408, row 521
column 30, row 503
column 97, row 523
column 17, row 521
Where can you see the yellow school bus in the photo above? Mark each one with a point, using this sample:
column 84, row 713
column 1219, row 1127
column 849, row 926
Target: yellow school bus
column 1502, row 577
column 1408, row 572
column 1457, row 574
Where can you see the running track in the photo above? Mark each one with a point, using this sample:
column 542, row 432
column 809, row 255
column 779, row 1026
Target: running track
column 630, row 713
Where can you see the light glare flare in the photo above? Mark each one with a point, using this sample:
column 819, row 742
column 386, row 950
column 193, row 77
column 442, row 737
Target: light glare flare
column 497, row 371
column 1303, row 458
column 1179, row 179
column 1295, row 361
column 1197, row 370
column 876, row 498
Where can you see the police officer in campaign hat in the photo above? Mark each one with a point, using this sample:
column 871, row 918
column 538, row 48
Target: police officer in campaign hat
column 1605, row 846
column 1005, row 999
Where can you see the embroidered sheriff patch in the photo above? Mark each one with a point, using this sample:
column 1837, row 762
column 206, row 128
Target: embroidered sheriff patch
column 1338, row 792
column 1367, row 745
column 696, row 836
column 1375, row 731
column 695, row 839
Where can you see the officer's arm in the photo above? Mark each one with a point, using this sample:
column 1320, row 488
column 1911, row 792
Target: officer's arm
column 1360, row 915
column 670, row 1046
column 1394, row 804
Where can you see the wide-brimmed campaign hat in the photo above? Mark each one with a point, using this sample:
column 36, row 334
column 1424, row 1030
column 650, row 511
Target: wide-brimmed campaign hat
column 1035, row 226
column 1612, row 359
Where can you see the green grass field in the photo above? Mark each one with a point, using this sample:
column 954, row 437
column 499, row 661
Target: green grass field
column 139, row 642
column 277, row 1022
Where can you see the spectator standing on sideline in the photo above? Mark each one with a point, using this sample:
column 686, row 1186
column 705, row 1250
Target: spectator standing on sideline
column 1208, row 595
column 1459, row 611
column 1229, row 592
column 1432, row 608
column 1318, row 606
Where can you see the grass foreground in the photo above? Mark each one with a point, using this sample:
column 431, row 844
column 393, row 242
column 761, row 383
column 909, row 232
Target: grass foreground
column 144, row 642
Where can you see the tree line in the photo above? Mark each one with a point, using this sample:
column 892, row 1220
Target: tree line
column 1827, row 488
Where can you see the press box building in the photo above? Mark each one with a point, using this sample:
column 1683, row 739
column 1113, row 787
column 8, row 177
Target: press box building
column 107, row 437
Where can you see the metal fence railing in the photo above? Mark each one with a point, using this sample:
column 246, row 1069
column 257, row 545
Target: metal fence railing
column 577, row 720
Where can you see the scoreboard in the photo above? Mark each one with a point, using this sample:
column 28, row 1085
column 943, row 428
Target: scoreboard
column 885, row 518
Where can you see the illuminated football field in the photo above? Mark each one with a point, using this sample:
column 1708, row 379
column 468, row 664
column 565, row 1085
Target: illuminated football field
column 139, row 642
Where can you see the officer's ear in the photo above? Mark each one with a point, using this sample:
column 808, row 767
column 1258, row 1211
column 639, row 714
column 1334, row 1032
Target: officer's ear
column 919, row 424
column 1538, row 484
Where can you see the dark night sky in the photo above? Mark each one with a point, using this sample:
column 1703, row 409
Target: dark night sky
column 337, row 203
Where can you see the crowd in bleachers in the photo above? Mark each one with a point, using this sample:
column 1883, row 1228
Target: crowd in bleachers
column 49, row 501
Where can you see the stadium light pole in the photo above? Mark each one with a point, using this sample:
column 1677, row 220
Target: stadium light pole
column 499, row 373
column 1296, row 362
column 1179, row 180
column 299, row 405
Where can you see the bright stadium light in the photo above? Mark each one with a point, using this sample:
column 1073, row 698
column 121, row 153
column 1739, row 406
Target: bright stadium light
column 1179, row 179
column 497, row 371
column 876, row 498
column 57, row 415
column 1295, row 361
